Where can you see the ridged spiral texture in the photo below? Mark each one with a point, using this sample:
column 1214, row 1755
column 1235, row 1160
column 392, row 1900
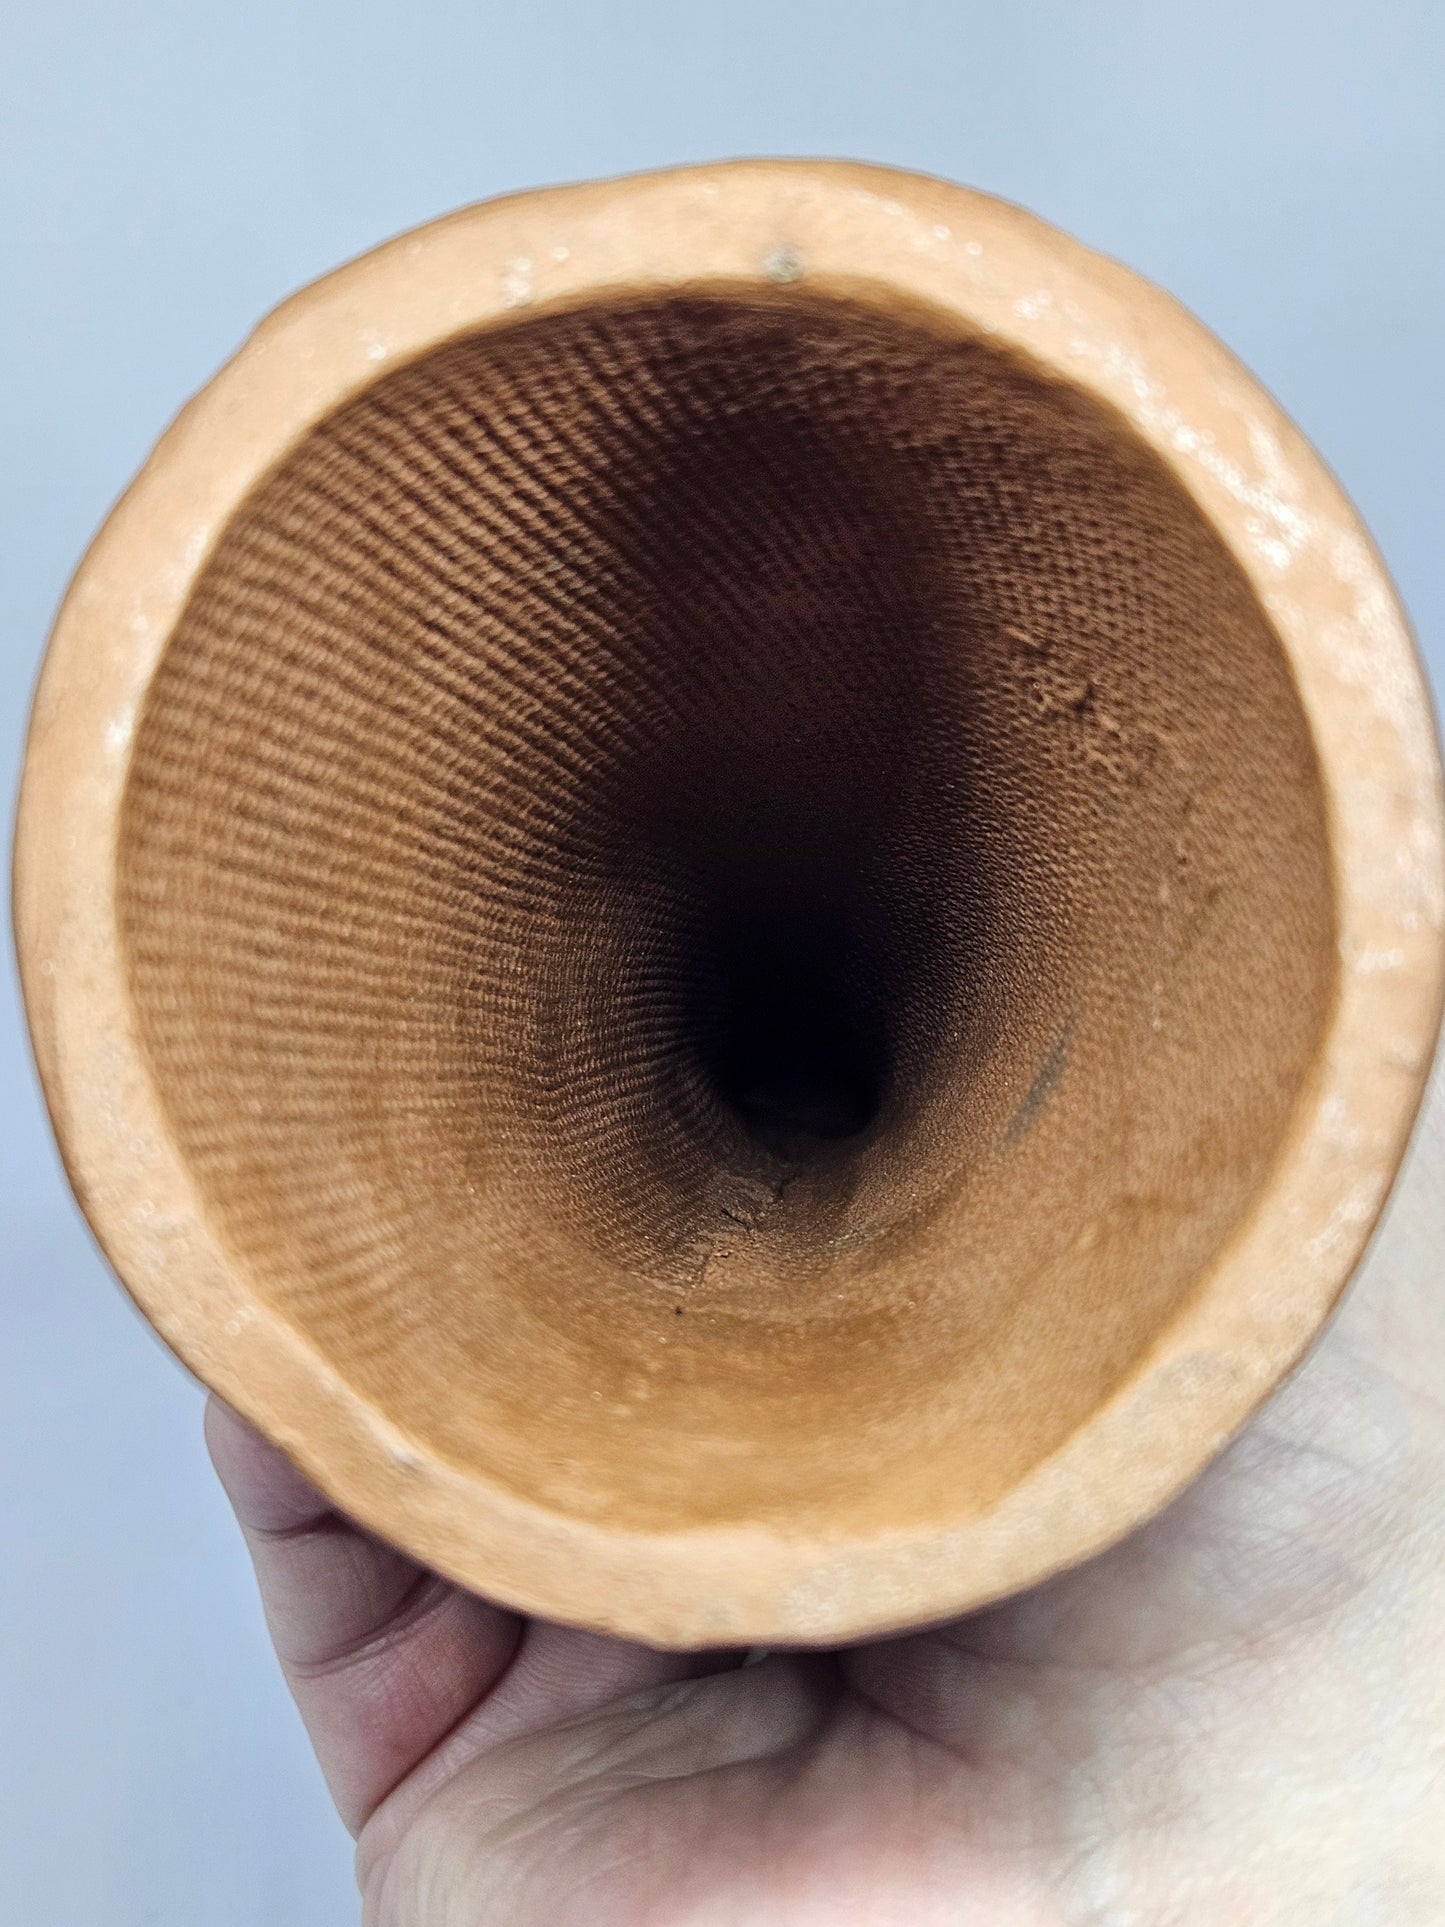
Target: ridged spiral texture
column 599, row 702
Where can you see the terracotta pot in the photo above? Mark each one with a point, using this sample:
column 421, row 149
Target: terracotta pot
column 730, row 891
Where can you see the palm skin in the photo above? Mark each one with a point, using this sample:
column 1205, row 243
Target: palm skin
column 1236, row 1718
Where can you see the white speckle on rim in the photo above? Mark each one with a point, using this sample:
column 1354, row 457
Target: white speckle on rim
column 517, row 281
column 1341, row 1223
column 1031, row 306
column 118, row 732
column 1338, row 1127
column 1277, row 527
column 974, row 248
column 941, row 233
column 783, row 264
column 560, row 254
column 1372, row 635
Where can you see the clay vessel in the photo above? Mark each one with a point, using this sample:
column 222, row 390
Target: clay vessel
column 730, row 891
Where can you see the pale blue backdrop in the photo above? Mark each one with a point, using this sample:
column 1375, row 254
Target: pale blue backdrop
column 171, row 168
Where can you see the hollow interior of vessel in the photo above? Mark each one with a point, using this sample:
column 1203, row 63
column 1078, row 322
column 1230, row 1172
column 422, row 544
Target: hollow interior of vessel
column 727, row 897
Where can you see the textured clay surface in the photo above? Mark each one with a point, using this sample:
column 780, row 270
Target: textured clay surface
column 727, row 896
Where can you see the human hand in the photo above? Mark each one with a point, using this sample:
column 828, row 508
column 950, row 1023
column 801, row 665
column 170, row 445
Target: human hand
column 1236, row 1718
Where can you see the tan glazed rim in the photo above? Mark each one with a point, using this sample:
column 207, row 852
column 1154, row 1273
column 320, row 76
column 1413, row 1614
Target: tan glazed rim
column 892, row 241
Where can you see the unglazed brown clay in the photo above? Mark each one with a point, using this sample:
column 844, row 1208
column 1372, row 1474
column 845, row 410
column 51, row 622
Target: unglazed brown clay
column 730, row 891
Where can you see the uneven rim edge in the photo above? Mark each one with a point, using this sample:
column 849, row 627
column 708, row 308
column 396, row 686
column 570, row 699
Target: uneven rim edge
column 992, row 267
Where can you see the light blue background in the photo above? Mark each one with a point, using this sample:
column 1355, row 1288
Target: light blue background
column 171, row 168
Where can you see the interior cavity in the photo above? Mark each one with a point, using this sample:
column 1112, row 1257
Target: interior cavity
column 727, row 898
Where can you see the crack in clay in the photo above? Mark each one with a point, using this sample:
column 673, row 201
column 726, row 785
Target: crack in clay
column 758, row 1197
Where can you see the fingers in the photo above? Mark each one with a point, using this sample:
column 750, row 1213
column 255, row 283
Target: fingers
column 660, row 1806
column 559, row 1676
column 382, row 1657
column 395, row 1671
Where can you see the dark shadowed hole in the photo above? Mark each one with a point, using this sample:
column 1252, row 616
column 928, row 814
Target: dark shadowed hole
column 788, row 1029
column 631, row 759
